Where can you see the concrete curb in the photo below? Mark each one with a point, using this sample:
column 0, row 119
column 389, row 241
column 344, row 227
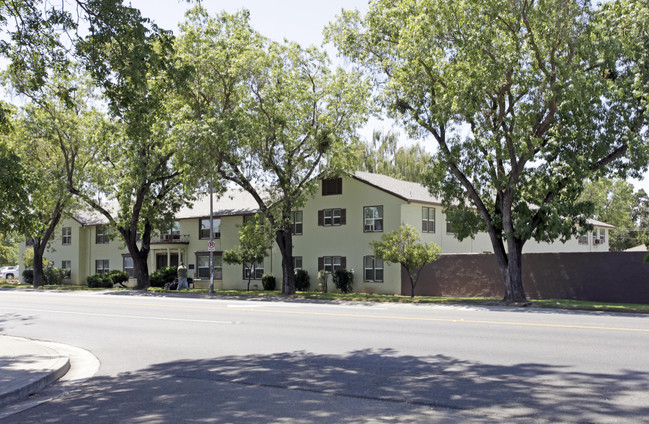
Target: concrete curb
column 27, row 367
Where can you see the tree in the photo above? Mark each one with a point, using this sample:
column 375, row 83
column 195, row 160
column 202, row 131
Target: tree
column 14, row 190
column 403, row 247
column 272, row 117
column 254, row 243
column 615, row 203
column 131, row 60
column 525, row 100
column 50, row 133
column 383, row 156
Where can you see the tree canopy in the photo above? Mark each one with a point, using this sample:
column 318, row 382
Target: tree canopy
column 269, row 117
column 526, row 100
column 403, row 246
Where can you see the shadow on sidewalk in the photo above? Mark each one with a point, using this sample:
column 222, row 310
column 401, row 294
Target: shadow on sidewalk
column 357, row 387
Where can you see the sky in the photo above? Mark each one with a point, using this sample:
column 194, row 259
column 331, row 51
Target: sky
column 301, row 21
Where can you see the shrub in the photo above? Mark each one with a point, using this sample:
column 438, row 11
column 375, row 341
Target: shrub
column 302, row 280
column 268, row 281
column 343, row 279
column 99, row 281
column 118, row 277
column 163, row 276
column 54, row 276
column 28, row 276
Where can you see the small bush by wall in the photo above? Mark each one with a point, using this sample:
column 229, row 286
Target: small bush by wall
column 343, row 280
column 163, row 276
column 302, row 280
column 99, row 281
column 269, row 282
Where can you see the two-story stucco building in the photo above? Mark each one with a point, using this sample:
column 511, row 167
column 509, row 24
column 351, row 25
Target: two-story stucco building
column 331, row 232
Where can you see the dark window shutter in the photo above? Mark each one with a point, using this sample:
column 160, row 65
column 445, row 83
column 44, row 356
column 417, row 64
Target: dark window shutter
column 343, row 217
column 339, row 184
column 320, row 218
column 320, row 264
column 343, row 262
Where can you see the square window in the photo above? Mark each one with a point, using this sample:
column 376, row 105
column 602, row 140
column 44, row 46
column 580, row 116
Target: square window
column 102, row 266
column 204, row 230
column 101, row 236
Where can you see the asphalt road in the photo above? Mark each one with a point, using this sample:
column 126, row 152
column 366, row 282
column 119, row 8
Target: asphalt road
column 169, row 359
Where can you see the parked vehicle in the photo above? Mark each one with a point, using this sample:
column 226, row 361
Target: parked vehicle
column 9, row 272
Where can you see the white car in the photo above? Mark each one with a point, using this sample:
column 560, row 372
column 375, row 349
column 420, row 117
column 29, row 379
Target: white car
column 9, row 272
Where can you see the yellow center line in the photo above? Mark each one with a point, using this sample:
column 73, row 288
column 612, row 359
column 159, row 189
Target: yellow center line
column 348, row 315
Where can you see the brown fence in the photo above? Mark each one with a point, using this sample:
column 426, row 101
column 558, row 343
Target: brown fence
column 600, row 277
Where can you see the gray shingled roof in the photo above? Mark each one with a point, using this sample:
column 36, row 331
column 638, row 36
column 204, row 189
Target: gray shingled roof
column 412, row 192
column 232, row 202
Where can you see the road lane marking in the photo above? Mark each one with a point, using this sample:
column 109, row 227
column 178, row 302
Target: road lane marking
column 348, row 315
column 126, row 316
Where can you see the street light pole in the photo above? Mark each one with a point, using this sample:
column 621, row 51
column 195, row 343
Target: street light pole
column 211, row 236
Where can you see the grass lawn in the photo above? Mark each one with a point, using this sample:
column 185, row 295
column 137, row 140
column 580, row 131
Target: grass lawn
column 361, row 297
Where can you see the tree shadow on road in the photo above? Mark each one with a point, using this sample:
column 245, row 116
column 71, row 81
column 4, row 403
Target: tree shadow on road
column 362, row 386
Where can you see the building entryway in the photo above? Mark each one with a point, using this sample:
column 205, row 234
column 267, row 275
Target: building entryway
column 161, row 260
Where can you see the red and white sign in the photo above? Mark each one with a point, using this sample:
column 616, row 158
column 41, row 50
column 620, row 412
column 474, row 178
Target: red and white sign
column 211, row 246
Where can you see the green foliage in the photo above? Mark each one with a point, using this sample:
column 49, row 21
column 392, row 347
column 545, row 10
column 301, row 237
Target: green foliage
column 383, row 156
column 271, row 115
column 28, row 276
column 403, row 247
column 163, row 276
column 9, row 250
column 615, row 203
column 118, row 277
column 268, row 282
column 14, row 191
column 28, row 260
column 99, row 281
column 54, row 275
column 524, row 100
column 302, row 280
column 343, row 279
column 254, row 242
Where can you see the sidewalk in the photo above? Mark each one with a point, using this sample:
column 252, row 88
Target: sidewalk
column 27, row 367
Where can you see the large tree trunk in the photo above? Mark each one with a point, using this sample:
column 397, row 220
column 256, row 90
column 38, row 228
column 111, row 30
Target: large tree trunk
column 140, row 256
column 510, row 265
column 284, row 240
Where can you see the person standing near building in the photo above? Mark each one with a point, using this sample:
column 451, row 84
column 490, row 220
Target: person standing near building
column 182, row 277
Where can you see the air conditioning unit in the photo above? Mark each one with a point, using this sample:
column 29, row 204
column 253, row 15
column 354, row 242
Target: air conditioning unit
column 597, row 241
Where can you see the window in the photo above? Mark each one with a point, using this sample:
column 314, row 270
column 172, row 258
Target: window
column 428, row 220
column 172, row 233
column 332, row 263
column 101, row 236
column 602, row 236
column 102, row 266
column 331, row 186
column 450, row 229
column 583, row 239
column 67, row 267
column 204, row 230
column 373, row 218
column 332, row 217
column 297, row 262
column 127, row 266
column 256, row 271
column 66, row 237
column 296, row 222
column 373, row 268
column 203, row 265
